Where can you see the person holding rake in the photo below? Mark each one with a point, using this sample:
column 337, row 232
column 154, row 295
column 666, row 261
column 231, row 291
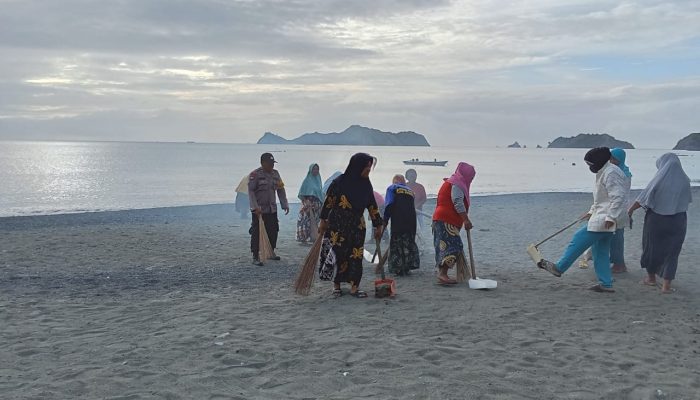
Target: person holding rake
column 604, row 216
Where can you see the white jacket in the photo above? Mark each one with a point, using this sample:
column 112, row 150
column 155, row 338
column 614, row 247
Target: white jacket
column 609, row 199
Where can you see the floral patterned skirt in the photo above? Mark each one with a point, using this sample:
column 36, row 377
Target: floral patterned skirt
column 448, row 243
column 307, row 223
column 343, row 248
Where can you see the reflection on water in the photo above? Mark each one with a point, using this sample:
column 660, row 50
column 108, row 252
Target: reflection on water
column 57, row 177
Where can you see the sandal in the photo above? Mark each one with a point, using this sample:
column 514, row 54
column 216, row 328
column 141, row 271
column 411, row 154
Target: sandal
column 549, row 267
column 337, row 293
column 360, row 294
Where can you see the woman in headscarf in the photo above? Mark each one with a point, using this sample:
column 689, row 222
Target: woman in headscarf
column 666, row 199
column 604, row 216
column 451, row 214
column 343, row 225
column 617, row 244
column 403, row 251
column 311, row 196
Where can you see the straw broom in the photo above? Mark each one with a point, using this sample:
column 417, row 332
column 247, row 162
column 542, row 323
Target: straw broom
column 305, row 278
column 265, row 251
column 462, row 268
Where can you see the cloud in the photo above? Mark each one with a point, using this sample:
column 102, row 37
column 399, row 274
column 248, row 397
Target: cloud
column 230, row 70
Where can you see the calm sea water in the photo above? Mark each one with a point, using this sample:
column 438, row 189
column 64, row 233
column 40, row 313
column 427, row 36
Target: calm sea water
column 66, row 177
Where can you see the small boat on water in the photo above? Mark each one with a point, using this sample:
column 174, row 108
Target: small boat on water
column 434, row 163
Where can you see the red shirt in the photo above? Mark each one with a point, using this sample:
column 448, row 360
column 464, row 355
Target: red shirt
column 445, row 209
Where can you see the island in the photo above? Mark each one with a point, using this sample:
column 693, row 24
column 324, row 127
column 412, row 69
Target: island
column 690, row 142
column 515, row 145
column 355, row 135
column 588, row 141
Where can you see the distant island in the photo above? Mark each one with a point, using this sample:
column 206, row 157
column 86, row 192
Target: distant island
column 588, row 141
column 690, row 142
column 355, row 135
column 515, row 145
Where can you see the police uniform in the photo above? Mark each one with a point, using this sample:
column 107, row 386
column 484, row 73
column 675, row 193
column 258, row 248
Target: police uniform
column 262, row 188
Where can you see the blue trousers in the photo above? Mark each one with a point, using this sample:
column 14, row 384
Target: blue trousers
column 600, row 246
column 617, row 247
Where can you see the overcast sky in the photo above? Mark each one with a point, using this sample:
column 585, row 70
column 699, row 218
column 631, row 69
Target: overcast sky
column 468, row 72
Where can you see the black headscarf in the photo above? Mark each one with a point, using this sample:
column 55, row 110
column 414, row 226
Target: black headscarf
column 357, row 189
column 596, row 158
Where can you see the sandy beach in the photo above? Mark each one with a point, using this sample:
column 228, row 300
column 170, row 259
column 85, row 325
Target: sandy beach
column 165, row 303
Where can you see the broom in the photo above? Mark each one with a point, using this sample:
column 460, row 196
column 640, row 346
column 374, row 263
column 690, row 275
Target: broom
column 305, row 278
column 265, row 251
column 462, row 268
column 383, row 287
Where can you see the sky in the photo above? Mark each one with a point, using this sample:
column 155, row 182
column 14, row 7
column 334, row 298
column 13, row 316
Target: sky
column 469, row 73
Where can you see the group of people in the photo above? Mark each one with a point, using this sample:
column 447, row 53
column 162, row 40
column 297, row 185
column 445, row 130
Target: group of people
column 665, row 199
column 336, row 212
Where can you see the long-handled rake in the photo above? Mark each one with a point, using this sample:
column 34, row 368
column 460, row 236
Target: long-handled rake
column 533, row 249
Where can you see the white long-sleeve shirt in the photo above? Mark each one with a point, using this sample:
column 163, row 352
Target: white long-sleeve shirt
column 609, row 199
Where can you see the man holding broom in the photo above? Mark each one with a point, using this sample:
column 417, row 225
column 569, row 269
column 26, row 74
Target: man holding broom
column 263, row 183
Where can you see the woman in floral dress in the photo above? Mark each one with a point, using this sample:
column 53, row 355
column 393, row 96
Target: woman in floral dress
column 343, row 225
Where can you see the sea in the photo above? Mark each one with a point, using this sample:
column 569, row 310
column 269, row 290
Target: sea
column 38, row 178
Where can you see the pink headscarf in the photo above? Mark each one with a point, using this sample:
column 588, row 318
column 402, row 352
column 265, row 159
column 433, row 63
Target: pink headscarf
column 463, row 177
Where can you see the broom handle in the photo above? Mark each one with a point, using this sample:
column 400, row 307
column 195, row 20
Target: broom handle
column 560, row 231
column 379, row 251
column 471, row 253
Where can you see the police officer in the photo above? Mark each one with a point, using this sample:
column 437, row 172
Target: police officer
column 262, row 185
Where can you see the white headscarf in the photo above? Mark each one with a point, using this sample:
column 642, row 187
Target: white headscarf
column 668, row 192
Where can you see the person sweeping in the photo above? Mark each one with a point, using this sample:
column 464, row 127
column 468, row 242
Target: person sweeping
column 606, row 213
column 451, row 214
column 343, row 225
column 403, row 251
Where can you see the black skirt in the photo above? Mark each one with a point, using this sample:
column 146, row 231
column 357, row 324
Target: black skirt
column 662, row 240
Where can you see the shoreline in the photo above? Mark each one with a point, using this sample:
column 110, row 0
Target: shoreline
column 293, row 204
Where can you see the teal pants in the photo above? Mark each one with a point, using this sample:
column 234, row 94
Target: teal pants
column 600, row 246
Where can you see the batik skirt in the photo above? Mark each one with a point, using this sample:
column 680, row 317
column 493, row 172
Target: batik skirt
column 342, row 251
column 448, row 243
column 403, row 253
column 307, row 223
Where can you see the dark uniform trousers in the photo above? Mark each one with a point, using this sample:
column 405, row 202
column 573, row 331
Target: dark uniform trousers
column 271, row 225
